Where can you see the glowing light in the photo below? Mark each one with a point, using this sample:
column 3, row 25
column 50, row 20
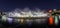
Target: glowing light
column 59, row 17
column 27, row 13
column 50, row 10
column 10, row 20
column 51, row 20
column 22, row 20
column 17, row 20
column 56, row 20
column 4, row 18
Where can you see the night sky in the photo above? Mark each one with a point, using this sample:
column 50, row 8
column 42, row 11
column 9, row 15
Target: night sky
column 9, row 5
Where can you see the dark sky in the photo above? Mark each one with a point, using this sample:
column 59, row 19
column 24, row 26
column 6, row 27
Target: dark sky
column 8, row 5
